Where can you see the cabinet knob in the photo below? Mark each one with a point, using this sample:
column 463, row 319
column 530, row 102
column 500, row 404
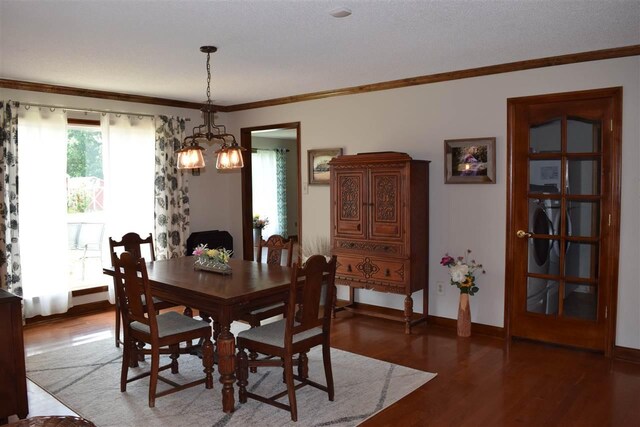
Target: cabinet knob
column 387, row 272
column 349, row 269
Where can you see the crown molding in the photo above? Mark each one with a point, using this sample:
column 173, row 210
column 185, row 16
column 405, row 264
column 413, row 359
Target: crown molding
column 100, row 94
column 508, row 67
column 550, row 61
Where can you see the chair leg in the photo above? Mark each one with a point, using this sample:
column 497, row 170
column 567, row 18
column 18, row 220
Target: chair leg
column 175, row 353
column 328, row 373
column 303, row 366
column 242, row 374
column 153, row 378
column 253, row 355
column 139, row 353
column 118, row 315
column 126, row 360
column 189, row 313
column 133, row 353
column 207, row 362
column 291, row 391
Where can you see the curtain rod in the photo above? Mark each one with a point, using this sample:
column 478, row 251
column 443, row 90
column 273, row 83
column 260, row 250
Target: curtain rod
column 27, row 105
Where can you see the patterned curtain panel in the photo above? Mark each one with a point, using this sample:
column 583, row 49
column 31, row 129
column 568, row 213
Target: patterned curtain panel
column 281, row 176
column 171, row 191
column 9, row 247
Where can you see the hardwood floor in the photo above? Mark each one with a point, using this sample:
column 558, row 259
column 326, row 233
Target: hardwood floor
column 481, row 380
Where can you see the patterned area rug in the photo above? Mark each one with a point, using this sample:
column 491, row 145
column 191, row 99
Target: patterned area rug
column 86, row 378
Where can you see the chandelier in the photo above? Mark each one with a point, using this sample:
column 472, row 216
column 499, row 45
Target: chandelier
column 229, row 155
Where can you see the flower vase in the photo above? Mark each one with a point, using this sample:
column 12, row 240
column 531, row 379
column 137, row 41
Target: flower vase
column 257, row 235
column 464, row 316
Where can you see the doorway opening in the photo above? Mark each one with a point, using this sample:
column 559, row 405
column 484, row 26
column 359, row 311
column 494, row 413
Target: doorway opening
column 271, row 187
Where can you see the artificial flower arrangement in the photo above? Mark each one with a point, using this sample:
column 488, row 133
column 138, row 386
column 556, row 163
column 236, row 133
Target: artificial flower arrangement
column 212, row 259
column 260, row 223
column 462, row 272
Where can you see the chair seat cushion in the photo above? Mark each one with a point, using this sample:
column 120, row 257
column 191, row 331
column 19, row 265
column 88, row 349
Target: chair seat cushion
column 171, row 323
column 267, row 308
column 273, row 334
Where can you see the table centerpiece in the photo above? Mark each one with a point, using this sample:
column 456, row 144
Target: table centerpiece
column 215, row 260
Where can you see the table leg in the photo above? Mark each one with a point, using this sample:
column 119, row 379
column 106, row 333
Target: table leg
column 226, row 347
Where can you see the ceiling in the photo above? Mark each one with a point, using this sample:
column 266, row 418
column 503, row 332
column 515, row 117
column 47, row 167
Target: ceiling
column 270, row 49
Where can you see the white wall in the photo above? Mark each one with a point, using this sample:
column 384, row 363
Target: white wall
column 417, row 120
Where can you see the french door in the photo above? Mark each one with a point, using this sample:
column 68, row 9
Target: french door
column 563, row 217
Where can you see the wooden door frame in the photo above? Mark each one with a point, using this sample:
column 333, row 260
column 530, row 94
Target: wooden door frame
column 615, row 151
column 247, row 186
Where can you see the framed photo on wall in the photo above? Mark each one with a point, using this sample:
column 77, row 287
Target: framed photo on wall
column 470, row 161
column 319, row 164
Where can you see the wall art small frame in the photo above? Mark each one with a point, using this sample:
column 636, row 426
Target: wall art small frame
column 470, row 161
column 318, row 162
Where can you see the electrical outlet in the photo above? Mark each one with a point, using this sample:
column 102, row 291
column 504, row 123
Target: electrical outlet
column 440, row 288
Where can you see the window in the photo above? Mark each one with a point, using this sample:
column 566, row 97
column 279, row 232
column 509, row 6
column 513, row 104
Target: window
column 85, row 203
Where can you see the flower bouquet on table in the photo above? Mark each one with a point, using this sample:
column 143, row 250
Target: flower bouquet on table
column 216, row 260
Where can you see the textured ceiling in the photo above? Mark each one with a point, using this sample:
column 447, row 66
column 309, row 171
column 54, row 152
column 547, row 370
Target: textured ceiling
column 270, row 49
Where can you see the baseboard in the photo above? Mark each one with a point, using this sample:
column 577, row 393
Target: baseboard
column 477, row 328
column 627, row 354
column 75, row 311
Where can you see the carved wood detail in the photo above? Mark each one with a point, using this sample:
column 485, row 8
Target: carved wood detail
column 350, row 194
column 367, row 268
column 368, row 246
column 386, row 195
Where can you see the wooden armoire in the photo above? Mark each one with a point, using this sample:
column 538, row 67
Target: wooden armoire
column 380, row 228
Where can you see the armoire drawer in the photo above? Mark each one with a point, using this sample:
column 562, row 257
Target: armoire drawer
column 373, row 268
column 382, row 248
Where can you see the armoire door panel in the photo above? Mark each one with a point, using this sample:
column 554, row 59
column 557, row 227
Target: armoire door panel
column 351, row 206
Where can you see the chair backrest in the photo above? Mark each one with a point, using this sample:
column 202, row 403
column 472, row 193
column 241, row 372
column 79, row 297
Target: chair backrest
column 213, row 238
column 132, row 283
column 304, row 300
column 132, row 243
column 275, row 244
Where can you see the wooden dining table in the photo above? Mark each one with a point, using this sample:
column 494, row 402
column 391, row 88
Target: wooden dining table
column 222, row 296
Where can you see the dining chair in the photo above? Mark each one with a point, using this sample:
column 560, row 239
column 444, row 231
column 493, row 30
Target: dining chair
column 166, row 330
column 306, row 325
column 134, row 244
column 275, row 244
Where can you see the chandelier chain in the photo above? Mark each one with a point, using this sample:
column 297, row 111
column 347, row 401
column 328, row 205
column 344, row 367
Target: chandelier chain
column 208, row 78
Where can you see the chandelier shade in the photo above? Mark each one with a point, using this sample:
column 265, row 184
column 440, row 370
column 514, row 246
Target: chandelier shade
column 191, row 155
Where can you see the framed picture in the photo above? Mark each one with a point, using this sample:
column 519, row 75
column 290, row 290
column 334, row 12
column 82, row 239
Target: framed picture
column 470, row 161
column 319, row 164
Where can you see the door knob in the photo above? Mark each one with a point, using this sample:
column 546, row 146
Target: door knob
column 522, row 234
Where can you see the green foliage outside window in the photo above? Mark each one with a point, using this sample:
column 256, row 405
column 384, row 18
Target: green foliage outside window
column 84, row 153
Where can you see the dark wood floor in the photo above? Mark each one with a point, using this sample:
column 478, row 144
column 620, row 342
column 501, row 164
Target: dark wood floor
column 481, row 381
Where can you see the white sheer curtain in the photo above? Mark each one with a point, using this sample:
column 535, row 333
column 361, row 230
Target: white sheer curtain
column 42, row 200
column 129, row 167
column 265, row 189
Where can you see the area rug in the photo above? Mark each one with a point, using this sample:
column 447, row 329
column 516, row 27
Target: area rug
column 86, row 378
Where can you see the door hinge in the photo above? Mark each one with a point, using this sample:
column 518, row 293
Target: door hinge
column 609, row 220
column 611, row 125
column 606, row 312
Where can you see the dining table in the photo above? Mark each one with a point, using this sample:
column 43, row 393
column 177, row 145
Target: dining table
column 223, row 297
